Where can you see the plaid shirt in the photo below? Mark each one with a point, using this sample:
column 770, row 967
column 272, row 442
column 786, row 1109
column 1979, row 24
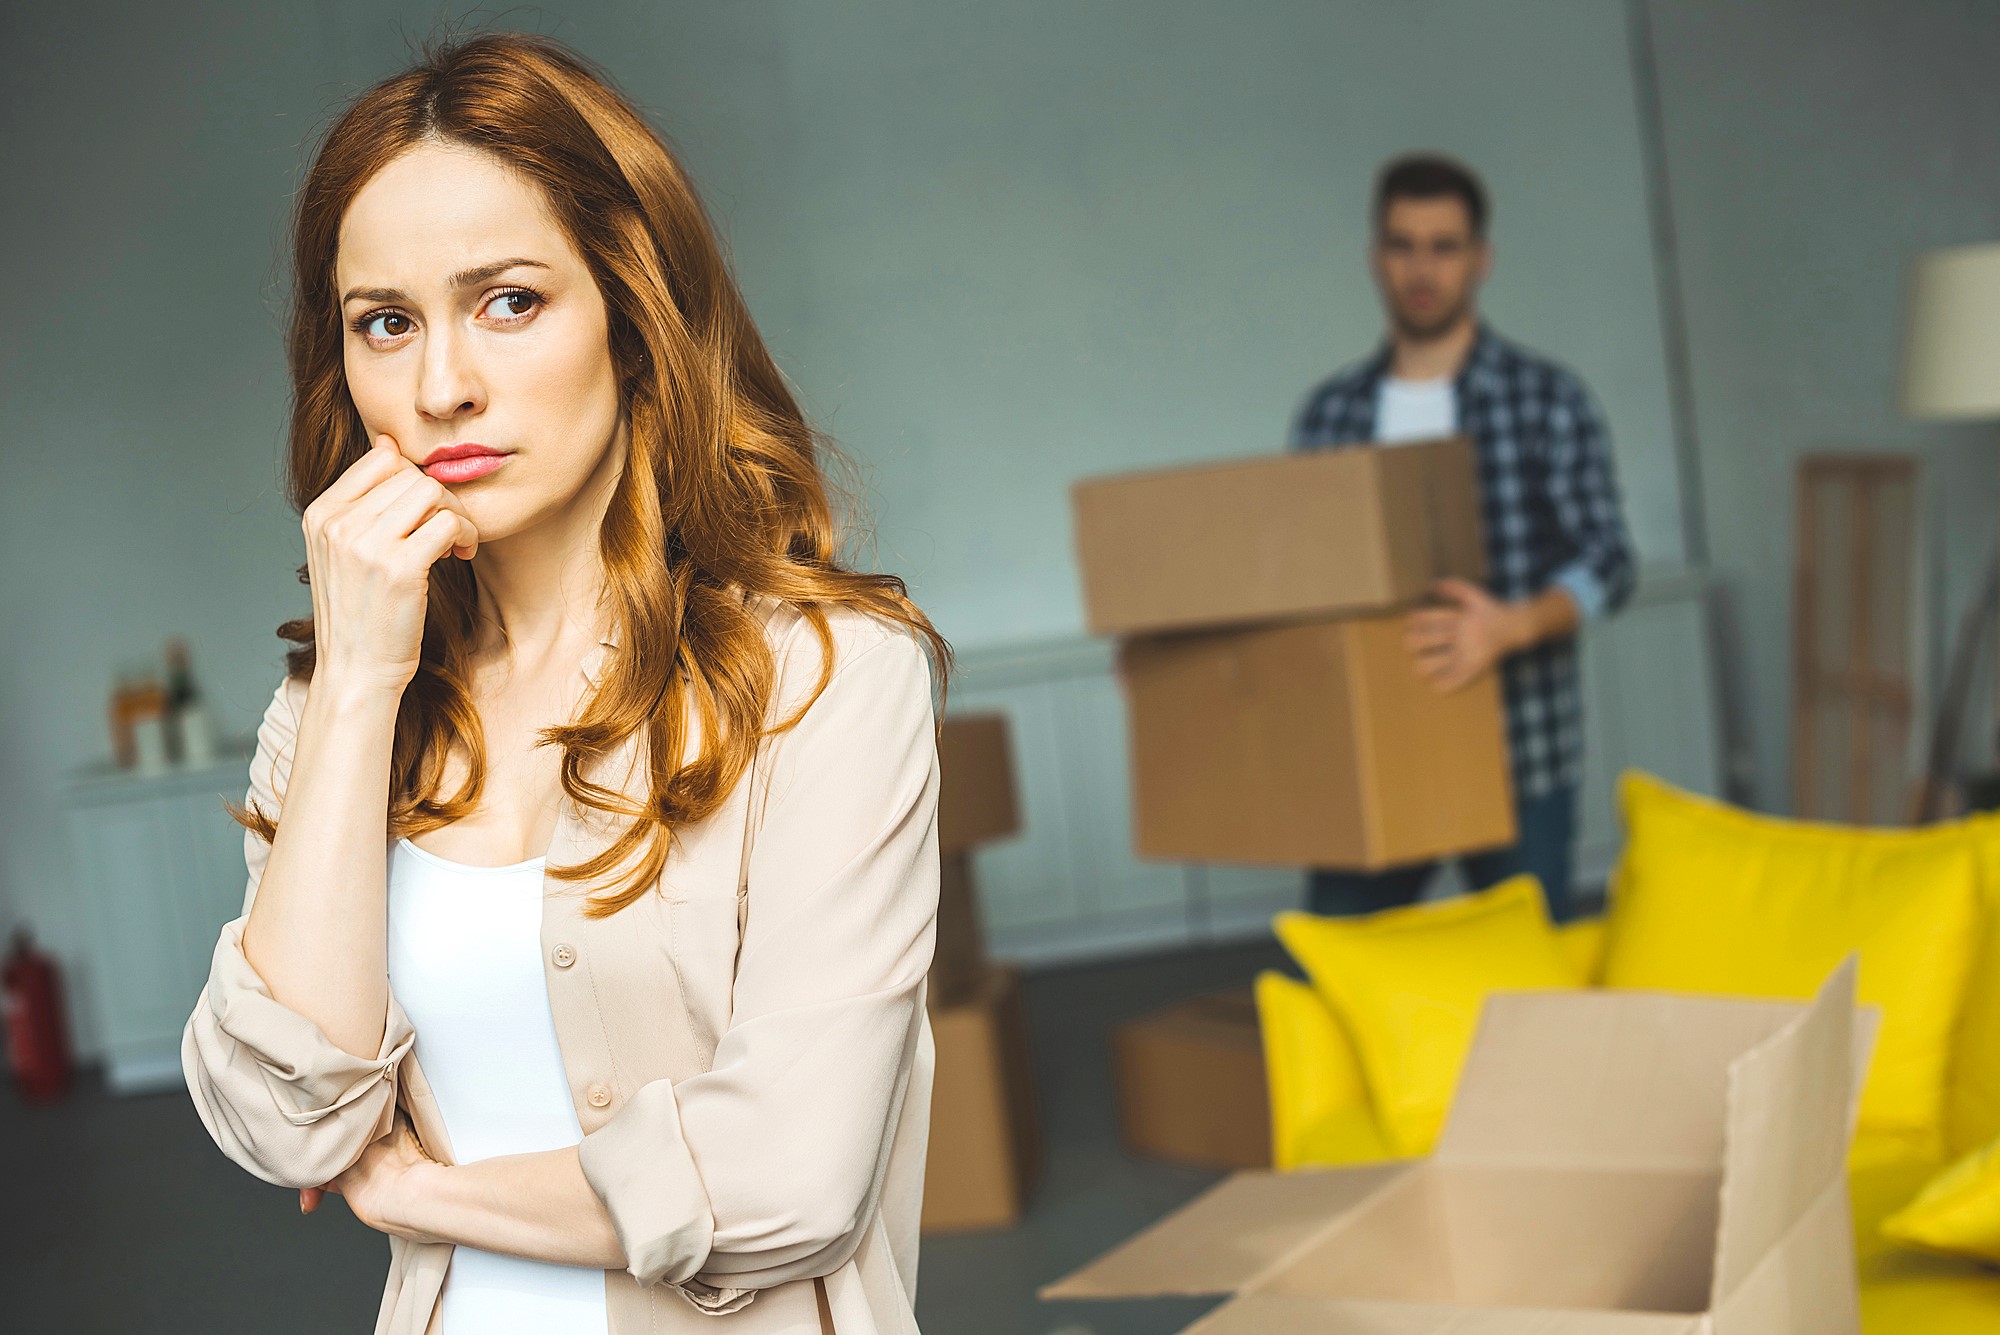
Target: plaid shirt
column 1551, row 513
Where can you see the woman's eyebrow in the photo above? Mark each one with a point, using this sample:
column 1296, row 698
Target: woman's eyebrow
column 463, row 278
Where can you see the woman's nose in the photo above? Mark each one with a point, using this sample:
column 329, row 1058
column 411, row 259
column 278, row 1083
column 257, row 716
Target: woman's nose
column 448, row 384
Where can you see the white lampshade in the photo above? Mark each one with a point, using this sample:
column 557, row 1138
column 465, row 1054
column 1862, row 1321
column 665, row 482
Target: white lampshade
column 1951, row 334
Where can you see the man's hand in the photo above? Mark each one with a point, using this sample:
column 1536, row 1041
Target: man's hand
column 1454, row 643
column 1474, row 630
column 382, row 1185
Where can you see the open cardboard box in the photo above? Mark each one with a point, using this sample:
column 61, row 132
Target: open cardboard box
column 1615, row 1163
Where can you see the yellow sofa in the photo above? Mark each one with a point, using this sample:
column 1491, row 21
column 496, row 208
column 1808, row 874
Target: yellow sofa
column 1323, row 1114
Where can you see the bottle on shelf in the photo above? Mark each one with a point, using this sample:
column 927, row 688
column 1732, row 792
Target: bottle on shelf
column 190, row 730
column 138, row 709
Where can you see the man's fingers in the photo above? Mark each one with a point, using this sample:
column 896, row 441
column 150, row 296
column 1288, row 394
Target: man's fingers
column 1458, row 590
column 1432, row 625
column 1423, row 639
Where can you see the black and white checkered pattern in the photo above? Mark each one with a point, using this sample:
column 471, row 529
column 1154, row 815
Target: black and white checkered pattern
column 1551, row 512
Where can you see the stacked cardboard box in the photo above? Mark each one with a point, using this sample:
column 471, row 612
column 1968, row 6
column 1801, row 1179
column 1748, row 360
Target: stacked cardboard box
column 976, row 805
column 985, row 1136
column 985, row 1145
column 1191, row 1084
column 1275, row 715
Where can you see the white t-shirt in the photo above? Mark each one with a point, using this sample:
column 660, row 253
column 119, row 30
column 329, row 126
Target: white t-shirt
column 465, row 961
column 1415, row 409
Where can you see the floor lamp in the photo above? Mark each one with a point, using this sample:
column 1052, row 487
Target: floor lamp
column 1951, row 372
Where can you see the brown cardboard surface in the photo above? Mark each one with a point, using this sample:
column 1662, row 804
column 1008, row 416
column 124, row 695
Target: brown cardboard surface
column 976, row 805
column 1632, row 1079
column 1789, row 1118
column 1276, row 536
column 976, row 795
column 1518, row 1237
column 1266, row 1313
column 958, row 961
column 985, row 1134
column 1310, row 743
column 1191, row 1083
column 1725, row 1212
column 1226, row 1235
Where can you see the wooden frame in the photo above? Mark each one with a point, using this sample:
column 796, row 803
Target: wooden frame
column 1858, row 689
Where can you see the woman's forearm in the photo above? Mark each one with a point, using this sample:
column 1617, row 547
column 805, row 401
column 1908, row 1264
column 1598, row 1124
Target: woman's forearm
column 318, row 927
column 535, row 1205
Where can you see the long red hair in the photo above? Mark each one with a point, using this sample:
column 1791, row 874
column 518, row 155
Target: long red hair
column 723, row 493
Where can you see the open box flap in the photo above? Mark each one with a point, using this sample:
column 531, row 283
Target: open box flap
column 1602, row 1078
column 1791, row 1106
column 1286, row 1313
column 1228, row 1234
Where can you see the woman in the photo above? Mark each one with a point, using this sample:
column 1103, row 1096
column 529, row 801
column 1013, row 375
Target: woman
column 591, row 832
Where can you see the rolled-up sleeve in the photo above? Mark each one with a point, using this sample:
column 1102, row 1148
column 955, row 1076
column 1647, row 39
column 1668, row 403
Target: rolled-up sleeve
column 1583, row 493
column 277, row 1095
column 768, row 1166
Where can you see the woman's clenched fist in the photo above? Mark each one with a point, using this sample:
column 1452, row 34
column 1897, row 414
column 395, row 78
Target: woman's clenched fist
column 371, row 539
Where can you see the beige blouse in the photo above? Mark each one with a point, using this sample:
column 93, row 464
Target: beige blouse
column 747, row 1048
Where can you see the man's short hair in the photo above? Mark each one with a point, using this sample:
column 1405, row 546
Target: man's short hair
column 1430, row 176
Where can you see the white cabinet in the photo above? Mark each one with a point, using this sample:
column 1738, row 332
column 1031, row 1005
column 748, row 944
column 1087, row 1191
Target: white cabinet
column 160, row 867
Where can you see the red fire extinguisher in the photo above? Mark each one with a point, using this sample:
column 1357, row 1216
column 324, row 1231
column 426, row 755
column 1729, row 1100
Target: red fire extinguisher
column 37, row 1037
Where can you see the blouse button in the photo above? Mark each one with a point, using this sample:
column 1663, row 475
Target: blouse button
column 599, row 1096
column 564, row 956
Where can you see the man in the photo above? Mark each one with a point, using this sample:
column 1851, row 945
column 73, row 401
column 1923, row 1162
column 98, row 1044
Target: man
column 1556, row 549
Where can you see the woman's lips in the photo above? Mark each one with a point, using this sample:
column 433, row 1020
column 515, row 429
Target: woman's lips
column 466, row 469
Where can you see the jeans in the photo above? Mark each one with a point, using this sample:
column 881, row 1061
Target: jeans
column 1547, row 830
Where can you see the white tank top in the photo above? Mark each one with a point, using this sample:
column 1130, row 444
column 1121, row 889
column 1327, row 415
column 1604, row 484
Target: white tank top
column 465, row 961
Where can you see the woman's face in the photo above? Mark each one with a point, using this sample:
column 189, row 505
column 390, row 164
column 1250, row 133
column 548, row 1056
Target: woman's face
column 471, row 320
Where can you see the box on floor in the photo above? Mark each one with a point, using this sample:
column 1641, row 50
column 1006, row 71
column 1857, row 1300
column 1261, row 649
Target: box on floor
column 1191, row 1085
column 1643, row 1163
column 985, row 1133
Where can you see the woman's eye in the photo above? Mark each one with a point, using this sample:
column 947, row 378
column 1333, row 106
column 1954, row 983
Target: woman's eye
column 515, row 303
column 367, row 324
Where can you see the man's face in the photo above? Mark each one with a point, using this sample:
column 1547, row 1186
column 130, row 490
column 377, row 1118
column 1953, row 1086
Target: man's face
column 1428, row 264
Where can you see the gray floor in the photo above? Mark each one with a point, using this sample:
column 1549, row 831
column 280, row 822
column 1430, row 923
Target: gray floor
column 122, row 1216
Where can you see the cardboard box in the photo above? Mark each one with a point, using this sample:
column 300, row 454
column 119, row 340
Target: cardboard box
column 1278, row 536
column 1191, row 1084
column 1615, row 1163
column 976, row 802
column 958, row 963
column 1310, row 744
column 985, row 1134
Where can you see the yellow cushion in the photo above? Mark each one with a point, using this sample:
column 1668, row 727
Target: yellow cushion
column 1709, row 898
column 1583, row 941
column 1907, row 1290
column 1973, row 1111
column 1407, row 985
column 1347, row 1135
column 1319, row 1105
column 1957, row 1211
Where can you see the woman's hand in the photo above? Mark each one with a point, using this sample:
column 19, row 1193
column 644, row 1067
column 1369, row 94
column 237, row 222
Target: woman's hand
column 383, row 1187
column 371, row 539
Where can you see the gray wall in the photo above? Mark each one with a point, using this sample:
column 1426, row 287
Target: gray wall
column 997, row 247
column 1813, row 147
